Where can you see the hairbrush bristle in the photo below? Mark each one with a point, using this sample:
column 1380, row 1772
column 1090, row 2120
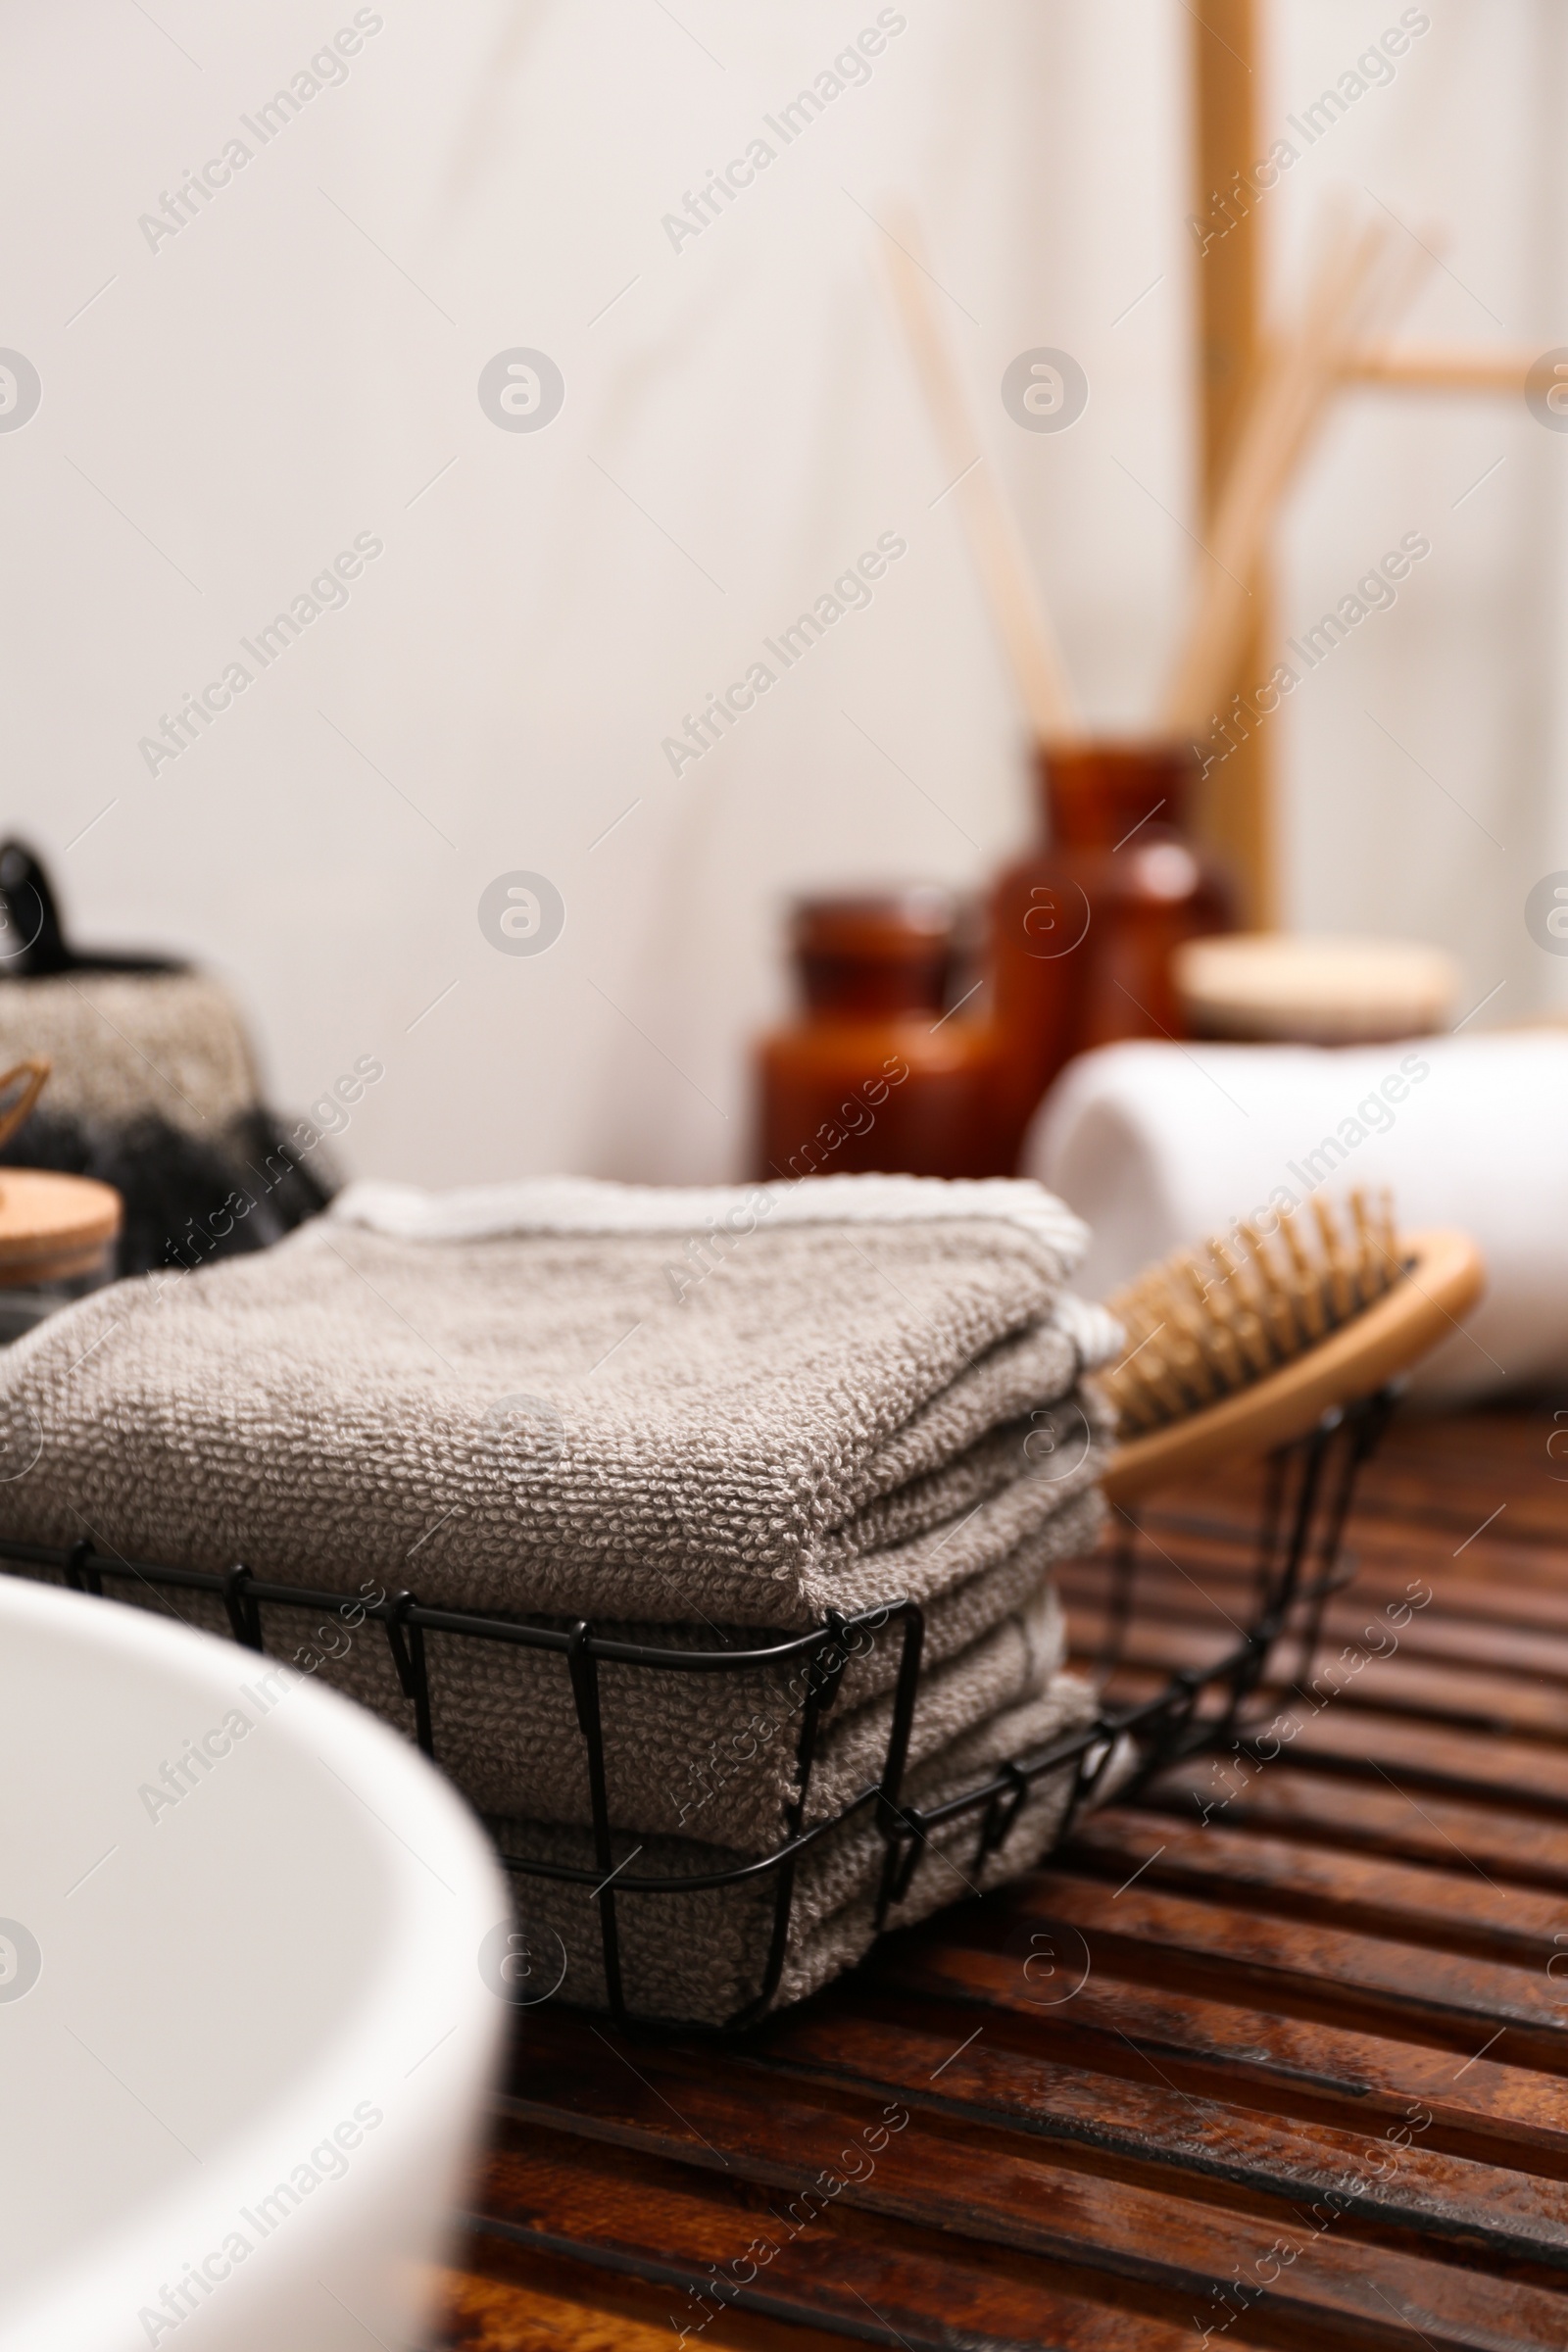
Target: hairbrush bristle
column 1212, row 1320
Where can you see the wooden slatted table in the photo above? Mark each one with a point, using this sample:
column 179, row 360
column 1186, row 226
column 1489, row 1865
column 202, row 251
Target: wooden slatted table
column 1277, row 2054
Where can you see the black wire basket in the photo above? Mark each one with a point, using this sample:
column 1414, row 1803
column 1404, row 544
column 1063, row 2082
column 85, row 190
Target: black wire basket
column 1298, row 1561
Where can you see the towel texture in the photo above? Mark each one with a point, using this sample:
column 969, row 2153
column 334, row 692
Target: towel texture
column 703, row 1955
column 833, row 1417
column 568, row 1410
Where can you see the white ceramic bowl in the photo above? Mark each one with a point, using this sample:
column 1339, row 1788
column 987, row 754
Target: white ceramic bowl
column 245, row 2041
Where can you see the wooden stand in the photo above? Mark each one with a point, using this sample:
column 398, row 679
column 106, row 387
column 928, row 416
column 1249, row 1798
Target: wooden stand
column 1234, row 815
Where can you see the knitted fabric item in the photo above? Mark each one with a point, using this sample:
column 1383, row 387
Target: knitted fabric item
column 130, row 1045
column 153, row 1090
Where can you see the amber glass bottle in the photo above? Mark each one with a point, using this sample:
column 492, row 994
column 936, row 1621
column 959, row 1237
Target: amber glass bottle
column 881, row 1071
column 1083, row 930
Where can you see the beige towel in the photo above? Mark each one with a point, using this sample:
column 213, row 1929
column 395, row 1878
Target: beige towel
column 709, row 1757
column 835, row 1415
column 701, row 1957
column 842, row 1409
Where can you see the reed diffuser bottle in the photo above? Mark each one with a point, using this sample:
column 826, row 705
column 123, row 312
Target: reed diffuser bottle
column 883, row 1071
column 1083, row 930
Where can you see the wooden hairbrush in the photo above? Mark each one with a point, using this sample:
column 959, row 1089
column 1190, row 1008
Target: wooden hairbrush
column 1241, row 1345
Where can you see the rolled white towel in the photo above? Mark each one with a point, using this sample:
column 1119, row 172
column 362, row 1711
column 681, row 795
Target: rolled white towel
column 1159, row 1144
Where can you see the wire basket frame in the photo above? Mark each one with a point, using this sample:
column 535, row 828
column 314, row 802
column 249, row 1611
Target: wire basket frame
column 1299, row 1563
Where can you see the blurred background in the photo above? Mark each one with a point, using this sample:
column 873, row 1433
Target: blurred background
column 236, row 387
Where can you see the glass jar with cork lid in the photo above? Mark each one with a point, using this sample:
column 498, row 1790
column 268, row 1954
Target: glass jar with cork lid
column 885, row 1069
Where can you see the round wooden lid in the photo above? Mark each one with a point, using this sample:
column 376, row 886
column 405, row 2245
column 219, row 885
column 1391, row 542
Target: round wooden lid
column 51, row 1226
column 1314, row 991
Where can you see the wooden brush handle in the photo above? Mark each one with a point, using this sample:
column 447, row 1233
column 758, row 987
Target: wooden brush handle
column 1445, row 1279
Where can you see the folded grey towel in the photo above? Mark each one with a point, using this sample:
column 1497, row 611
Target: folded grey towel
column 553, row 1415
column 835, row 1415
column 709, row 1758
column 701, row 1957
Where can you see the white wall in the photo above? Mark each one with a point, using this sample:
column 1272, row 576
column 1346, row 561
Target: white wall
column 1424, row 761
column 299, row 365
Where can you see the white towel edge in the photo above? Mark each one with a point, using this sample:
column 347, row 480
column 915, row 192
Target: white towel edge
column 1095, row 1333
column 590, row 1204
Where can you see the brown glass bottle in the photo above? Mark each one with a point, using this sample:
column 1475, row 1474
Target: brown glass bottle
column 877, row 1073
column 1083, row 930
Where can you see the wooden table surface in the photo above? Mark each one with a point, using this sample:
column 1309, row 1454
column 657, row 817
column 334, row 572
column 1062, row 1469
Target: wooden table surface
column 1277, row 2054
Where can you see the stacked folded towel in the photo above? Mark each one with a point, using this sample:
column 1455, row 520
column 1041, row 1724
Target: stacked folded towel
column 697, row 1420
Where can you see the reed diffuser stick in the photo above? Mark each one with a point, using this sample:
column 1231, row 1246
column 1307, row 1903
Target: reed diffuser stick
column 1279, row 416
column 1361, row 283
column 1011, row 592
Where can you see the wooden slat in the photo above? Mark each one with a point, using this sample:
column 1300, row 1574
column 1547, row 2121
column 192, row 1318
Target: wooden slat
column 1433, row 1475
column 1489, row 1843
column 1489, row 1576
column 1241, row 2017
column 1291, row 1878
column 939, row 2175
column 512, row 2297
column 1513, row 1630
column 641, row 2211
column 1151, row 2130
column 1471, row 1698
column 1308, row 1969
column 1502, row 2114
column 1439, row 1752
column 1531, row 1777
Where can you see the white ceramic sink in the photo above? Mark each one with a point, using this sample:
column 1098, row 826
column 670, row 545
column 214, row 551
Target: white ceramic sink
column 244, row 2038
